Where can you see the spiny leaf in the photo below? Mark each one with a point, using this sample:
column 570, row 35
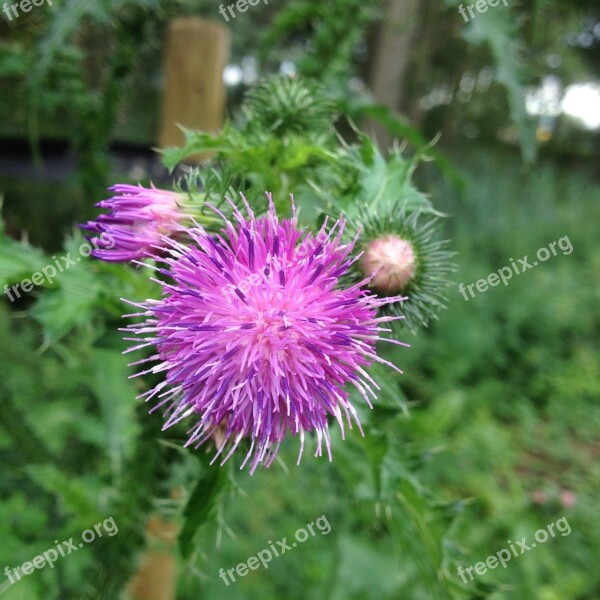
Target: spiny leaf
column 18, row 260
column 201, row 142
column 403, row 130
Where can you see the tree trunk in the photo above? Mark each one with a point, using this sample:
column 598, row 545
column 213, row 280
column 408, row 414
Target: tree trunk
column 391, row 52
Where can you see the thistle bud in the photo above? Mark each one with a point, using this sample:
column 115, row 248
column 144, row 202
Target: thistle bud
column 392, row 262
column 402, row 257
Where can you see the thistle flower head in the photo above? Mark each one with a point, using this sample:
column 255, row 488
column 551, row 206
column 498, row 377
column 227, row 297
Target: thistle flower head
column 257, row 339
column 136, row 220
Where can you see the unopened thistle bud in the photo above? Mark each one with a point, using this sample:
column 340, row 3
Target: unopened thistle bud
column 393, row 262
column 402, row 256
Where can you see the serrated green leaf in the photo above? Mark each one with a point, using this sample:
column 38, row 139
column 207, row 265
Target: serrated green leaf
column 18, row 260
column 72, row 304
column 498, row 32
column 385, row 183
column 116, row 395
column 200, row 142
column 403, row 130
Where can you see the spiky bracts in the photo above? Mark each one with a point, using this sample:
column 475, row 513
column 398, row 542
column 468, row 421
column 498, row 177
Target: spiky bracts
column 284, row 106
column 256, row 337
column 411, row 261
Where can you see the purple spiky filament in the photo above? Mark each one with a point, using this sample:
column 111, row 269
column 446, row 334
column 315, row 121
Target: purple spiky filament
column 277, row 354
column 391, row 261
column 138, row 217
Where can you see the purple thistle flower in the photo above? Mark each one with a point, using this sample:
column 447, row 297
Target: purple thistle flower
column 137, row 219
column 256, row 339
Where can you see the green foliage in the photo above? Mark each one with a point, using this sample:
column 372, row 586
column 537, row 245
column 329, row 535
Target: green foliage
column 201, row 507
column 499, row 33
column 491, row 376
column 489, row 386
column 333, row 28
column 273, row 150
column 270, row 151
column 68, row 306
column 50, row 67
column 401, row 129
column 17, row 259
column 502, row 403
column 382, row 182
column 77, row 292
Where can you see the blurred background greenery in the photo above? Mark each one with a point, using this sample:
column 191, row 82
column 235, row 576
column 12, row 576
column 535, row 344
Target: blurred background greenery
column 491, row 434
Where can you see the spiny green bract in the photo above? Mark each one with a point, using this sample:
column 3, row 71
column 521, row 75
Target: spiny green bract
column 283, row 105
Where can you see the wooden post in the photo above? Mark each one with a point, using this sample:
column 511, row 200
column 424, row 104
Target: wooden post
column 156, row 577
column 196, row 54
